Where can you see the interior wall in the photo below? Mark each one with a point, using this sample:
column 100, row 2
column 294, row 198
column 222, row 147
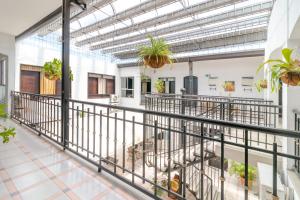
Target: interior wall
column 7, row 48
column 226, row 70
column 81, row 65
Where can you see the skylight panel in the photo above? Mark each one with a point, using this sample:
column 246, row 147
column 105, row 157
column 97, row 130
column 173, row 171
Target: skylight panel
column 169, row 8
column 121, row 5
column 107, row 10
column 87, row 20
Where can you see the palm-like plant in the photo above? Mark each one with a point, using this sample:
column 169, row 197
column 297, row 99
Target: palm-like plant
column 53, row 70
column 157, row 54
column 286, row 70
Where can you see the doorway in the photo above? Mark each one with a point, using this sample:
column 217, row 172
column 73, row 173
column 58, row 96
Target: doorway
column 3, row 78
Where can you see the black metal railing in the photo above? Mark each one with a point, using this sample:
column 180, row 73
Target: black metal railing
column 247, row 111
column 297, row 141
column 150, row 150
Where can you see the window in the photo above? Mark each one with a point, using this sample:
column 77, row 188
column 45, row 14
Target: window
column 100, row 85
column 169, row 85
column 127, row 87
column 2, row 72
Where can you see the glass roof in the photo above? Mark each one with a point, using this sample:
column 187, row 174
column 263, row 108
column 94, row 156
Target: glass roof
column 111, row 25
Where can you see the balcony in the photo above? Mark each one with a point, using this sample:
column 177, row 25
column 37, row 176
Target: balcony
column 180, row 147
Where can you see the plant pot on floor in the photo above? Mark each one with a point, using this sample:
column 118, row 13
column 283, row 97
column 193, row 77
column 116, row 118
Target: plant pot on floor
column 250, row 183
column 291, row 78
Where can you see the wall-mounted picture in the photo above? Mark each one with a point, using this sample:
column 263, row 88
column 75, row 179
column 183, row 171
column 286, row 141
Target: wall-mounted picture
column 229, row 86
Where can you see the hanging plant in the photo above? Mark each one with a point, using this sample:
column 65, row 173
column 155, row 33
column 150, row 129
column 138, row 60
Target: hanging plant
column 53, row 70
column 160, row 86
column 286, row 70
column 261, row 85
column 228, row 86
column 157, row 54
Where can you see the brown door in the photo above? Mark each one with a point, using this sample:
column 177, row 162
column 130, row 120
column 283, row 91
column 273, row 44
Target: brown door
column 30, row 82
column 110, row 86
column 93, row 86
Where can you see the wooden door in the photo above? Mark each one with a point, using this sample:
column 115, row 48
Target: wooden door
column 30, row 82
column 110, row 86
column 92, row 86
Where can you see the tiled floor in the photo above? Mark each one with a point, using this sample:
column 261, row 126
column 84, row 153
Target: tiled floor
column 31, row 168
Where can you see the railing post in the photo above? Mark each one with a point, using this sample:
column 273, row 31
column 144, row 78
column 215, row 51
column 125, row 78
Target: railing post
column 202, row 161
column 246, row 165
column 222, row 178
column 275, row 197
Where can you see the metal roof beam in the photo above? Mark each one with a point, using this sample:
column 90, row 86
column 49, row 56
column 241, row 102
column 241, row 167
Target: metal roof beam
column 230, row 55
column 242, row 12
column 195, row 45
column 185, row 12
column 244, row 26
column 126, row 14
column 56, row 23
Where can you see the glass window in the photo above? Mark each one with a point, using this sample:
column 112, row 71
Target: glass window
column 100, row 85
column 169, row 85
column 127, row 87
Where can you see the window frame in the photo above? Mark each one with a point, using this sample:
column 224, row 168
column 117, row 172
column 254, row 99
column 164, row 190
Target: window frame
column 103, row 77
column 126, row 87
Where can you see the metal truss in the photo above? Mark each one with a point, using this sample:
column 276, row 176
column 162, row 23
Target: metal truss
column 227, row 55
column 203, row 33
column 124, row 15
column 240, row 37
column 242, row 12
column 75, row 13
column 185, row 12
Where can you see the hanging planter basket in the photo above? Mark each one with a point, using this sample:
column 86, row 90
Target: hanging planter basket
column 156, row 61
column 291, row 78
column 53, row 77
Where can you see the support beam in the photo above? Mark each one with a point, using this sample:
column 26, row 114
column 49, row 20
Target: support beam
column 236, row 27
column 206, row 43
column 56, row 22
column 225, row 16
column 242, row 54
column 65, row 92
column 124, row 15
column 185, row 12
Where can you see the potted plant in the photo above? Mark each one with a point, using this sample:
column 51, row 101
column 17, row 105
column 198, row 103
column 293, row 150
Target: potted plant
column 287, row 70
column 238, row 169
column 53, row 70
column 5, row 133
column 157, row 54
column 228, row 86
column 160, row 86
column 261, row 85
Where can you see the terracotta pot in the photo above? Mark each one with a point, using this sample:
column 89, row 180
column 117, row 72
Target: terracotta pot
column 53, row 78
column 250, row 183
column 291, row 78
column 156, row 61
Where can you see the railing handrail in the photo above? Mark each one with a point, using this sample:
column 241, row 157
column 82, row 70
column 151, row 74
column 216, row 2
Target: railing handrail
column 215, row 101
column 267, row 130
column 217, row 97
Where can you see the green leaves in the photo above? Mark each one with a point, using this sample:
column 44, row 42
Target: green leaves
column 280, row 67
column 160, row 86
column 157, row 48
column 54, row 69
column 5, row 133
column 239, row 170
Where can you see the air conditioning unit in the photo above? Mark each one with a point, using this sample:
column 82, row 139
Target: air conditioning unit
column 114, row 99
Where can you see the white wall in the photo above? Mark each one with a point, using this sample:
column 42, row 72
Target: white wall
column 7, row 47
column 37, row 54
column 226, row 69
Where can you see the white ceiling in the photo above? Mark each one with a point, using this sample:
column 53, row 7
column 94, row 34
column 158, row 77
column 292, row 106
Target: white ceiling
column 18, row 15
